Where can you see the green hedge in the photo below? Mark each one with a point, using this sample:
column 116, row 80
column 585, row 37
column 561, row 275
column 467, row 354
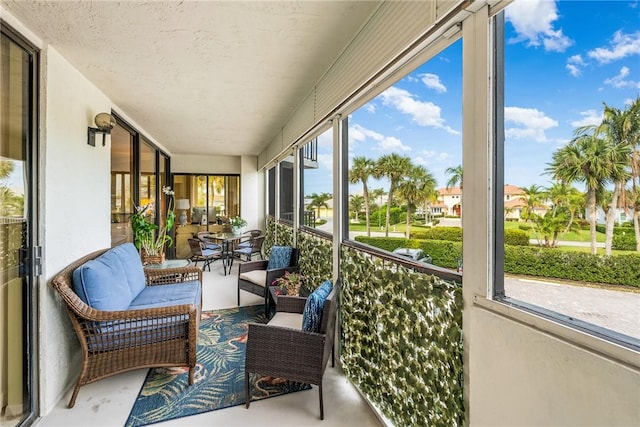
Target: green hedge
column 444, row 253
column 453, row 234
column 516, row 237
column 530, row 260
column 624, row 242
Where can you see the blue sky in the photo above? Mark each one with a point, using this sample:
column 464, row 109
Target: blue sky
column 563, row 59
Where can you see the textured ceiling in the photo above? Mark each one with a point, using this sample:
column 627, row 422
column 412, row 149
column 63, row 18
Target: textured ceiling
column 200, row 77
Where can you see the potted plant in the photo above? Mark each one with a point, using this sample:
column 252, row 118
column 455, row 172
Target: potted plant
column 236, row 224
column 148, row 238
column 290, row 283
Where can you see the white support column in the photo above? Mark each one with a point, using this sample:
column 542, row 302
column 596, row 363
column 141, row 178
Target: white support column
column 337, row 193
column 296, row 194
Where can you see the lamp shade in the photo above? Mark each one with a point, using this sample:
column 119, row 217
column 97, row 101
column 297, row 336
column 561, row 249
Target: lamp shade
column 182, row 204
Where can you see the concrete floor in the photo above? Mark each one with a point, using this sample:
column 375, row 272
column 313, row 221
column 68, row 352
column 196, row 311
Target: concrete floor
column 109, row 401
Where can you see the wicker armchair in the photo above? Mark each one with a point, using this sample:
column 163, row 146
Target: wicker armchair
column 113, row 342
column 254, row 277
column 290, row 353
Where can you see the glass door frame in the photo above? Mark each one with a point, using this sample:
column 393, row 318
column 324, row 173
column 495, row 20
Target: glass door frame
column 31, row 259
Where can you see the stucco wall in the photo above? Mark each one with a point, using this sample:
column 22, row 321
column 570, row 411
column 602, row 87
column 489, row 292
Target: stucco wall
column 75, row 190
column 252, row 193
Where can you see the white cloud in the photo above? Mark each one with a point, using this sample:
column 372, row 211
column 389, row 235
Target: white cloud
column 360, row 134
column 357, row 133
column 573, row 65
column 621, row 46
column 422, row 113
column 326, row 140
column 326, row 161
column 370, row 107
column 533, row 21
column 432, row 81
column 430, row 157
column 529, row 123
column 589, row 117
column 393, row 145
column 620, row 81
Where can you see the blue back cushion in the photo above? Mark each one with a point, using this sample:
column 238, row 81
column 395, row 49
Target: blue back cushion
column 102, row 283
column 312, row 314
column 130, row 259
column 280, row 257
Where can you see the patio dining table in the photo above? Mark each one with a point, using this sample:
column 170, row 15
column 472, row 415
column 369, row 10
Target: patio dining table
column 228, row 242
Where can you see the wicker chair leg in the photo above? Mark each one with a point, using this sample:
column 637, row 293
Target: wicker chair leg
column 192, row 372
column 333, row 356
column 247, row 394
column 72, row 401
column 321, row 404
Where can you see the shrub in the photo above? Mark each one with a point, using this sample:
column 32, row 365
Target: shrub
column 453, row 234
column 579, row 266
column 516, row 237
column 525, row 227
column 530, row 260
column 624, row 242
column 444, row 253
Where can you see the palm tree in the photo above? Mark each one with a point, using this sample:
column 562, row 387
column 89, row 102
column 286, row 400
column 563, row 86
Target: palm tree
column 456, row 176
column 356, row 202
column 392, row 166
column 621, row 128
column 319, row 201
column 376, row 194
column 584, row 159
column 361, row 170
column 416, row 187
column 533, row 195
column 618, row 128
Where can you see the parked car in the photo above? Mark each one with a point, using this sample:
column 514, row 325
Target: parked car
column 414, row 255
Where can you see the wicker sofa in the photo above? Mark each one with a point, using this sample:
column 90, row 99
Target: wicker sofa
column 127, row 317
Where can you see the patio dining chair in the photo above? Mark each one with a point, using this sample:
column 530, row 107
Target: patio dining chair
column 247, row 237
column 255, row 247
column 208, row 243
column 207, row 256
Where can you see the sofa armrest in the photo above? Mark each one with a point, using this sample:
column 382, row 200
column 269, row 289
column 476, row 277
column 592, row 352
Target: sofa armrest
column 252, row 265
column 291, row 304
column 164, row 276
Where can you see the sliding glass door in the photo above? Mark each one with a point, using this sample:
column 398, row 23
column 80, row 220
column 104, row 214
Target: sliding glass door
column 19, row 256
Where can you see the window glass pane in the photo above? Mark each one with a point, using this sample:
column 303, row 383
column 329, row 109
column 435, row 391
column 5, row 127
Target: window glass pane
column 569, row 87
column 148, row 177
column 121, row 184
column 212, row 198
column 317, row 182
column 286, row 189
column 271, row 185
column 405, row 155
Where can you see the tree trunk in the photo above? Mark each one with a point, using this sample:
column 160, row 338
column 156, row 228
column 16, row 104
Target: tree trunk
column 611, row 218
column 365, row 192
column 591, row 202
column 408, row 228
column 388, row 220
column 636, row 228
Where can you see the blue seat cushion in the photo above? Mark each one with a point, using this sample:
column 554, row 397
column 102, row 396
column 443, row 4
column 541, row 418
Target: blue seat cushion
column 168, row 295
column 130, row 258
column 279, row 257
column 102, row 283
column 312, row 314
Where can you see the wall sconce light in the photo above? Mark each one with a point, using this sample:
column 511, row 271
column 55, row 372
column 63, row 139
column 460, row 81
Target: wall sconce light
column 104, row 122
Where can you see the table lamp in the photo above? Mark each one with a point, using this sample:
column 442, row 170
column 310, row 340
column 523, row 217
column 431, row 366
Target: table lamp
column 183, row 204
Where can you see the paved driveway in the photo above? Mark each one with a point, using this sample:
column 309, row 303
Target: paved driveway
column 615, row 310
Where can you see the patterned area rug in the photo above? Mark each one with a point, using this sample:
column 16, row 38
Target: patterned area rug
column 219, row 378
